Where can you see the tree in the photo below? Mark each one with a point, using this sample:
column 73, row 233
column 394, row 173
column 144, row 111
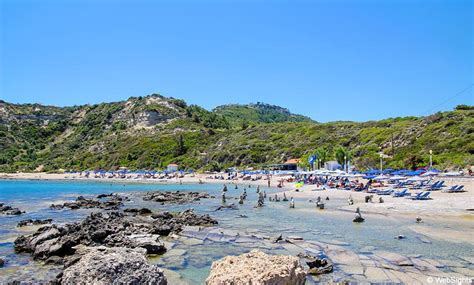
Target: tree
column 180, row 147
column 342, row 153
column 322, row 155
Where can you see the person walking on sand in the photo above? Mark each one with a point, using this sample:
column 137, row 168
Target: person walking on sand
column 292, row 203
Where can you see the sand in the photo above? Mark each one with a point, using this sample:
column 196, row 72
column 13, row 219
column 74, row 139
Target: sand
column 455, row 208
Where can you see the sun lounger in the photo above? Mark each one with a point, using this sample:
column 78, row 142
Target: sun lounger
column 422, row 196
column 385, row 192
column 402, row 193
column 456, row 189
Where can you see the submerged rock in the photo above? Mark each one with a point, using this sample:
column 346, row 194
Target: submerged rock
column 102, row 265
column 175, row 197
column 257, row 267
column 31, row 222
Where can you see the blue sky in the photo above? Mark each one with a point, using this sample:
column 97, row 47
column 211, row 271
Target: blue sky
column 330, row 60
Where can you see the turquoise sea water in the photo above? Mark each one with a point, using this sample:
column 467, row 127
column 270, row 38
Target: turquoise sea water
column 328, row 226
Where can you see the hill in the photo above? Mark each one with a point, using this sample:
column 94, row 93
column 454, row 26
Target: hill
column 150, row 132
column 238, row 115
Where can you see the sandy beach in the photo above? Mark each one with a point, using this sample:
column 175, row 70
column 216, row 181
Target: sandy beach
column 449, row 206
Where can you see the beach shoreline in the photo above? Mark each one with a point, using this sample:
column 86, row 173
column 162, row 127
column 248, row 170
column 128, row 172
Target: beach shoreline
column 442, row 206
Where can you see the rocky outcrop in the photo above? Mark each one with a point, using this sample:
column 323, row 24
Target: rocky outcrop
column 165, row 223
column 257, row 267
column 9, row 210
column 113, row 229
column 102, row 265
column 104, row 201
column 109, row 229
column 175, row 197
column 317, row 265
column 31, row 222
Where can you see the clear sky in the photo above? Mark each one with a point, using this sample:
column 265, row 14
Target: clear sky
column 330, row 60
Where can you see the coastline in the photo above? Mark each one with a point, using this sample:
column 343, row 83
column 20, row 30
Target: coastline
column 446, row 206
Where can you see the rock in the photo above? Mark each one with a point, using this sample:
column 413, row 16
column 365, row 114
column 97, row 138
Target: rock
column 358, row 219
column 9, row 210
column 257, row 267
column 112, row 229
column 2, row 262
column 317, row 265
column 224, row 207
column 175, row 197
column 101, row 265
column 142, row 211
column 400, row 237
column 31, row 222
column 278, row 238
column 113, row 202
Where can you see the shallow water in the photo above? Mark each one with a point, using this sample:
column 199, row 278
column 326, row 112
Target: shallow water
column 328, row 226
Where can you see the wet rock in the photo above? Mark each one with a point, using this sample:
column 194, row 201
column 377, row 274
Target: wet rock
column 400, row 237
column 101, row 265
column 113, row 202
column 278, row 238
column 142, row 211
column 31, row 222
column 224, row 207
column 257, row 267
column 174, row 224
column 2, row 262
column 175, row 197
column 317, row 265
column 9, row 210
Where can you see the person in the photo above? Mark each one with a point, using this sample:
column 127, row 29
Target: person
column 350, row 200
column 223, row 198
column 292, row 203
column 284, row 198
column 241, row 200
column 260, row 201
column 225, row 188
column 258, row 189
column 268, row 182
column 381, row 200
column 244, row 194
column 236, row 187
column 358, row 217
column 264, row 194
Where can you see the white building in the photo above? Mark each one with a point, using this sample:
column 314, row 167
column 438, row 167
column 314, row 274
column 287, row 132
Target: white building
column 172, row 167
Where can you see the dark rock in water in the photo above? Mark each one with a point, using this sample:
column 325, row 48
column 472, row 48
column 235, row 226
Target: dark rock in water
column 162, row 215
column 2, row 262
column 101, row 196
column 175, row 197
column 113, row 202
column 31, row 222
column 230, row 207
column 101, row 265
column 400, row 237
column 142, row 211
column 176, row 223
column 278, row 238
column 317, row 265
column 9, row 210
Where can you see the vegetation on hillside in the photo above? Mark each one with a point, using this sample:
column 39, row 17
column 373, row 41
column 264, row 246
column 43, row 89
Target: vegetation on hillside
column 152, row 131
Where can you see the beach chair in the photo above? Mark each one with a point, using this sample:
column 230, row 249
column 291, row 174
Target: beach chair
column 422, row 196
column 385, row 192
column 402, row 193
column 458, row 189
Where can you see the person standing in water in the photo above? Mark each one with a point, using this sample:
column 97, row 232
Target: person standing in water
column 292, row 203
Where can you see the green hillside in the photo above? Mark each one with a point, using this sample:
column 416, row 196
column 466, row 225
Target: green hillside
column 239, row 115
column 153, row 131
